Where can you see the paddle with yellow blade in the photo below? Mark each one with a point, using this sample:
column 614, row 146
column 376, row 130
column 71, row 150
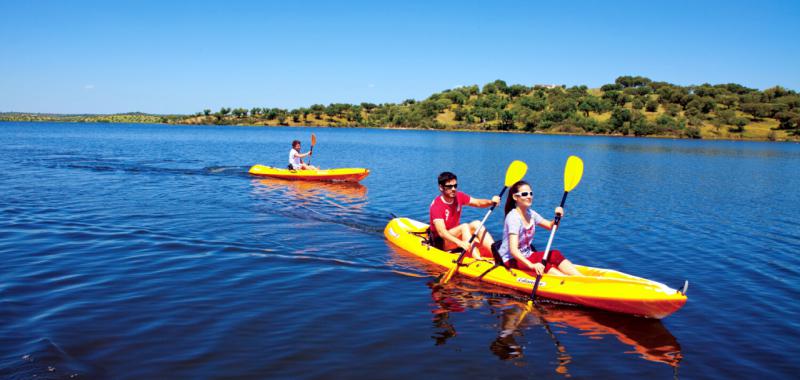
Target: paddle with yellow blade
column 514, row 173
column 313, row 142
column 573, row 172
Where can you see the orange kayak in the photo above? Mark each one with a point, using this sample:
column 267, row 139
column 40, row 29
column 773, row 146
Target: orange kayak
column 343, row 174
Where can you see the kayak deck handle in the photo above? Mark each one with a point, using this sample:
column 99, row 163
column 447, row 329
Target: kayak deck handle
column 684, row 288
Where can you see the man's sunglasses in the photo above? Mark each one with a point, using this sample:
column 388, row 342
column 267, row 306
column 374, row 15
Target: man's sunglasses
column 524, row 193
column 453, row 186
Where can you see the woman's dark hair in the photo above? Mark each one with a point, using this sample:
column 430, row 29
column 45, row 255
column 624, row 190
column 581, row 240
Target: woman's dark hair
column 295, row 142
column 510, row 202
column 446, row 176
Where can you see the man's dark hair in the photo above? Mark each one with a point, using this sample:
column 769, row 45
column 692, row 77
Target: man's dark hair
column 295, row 142
column 445, row 177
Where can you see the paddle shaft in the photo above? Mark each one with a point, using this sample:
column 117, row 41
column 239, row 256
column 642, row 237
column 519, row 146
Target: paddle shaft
column 474, row 235
column 556, row 222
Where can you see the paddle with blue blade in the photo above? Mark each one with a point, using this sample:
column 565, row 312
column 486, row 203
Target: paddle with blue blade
column 573, row 172
column 516, row 170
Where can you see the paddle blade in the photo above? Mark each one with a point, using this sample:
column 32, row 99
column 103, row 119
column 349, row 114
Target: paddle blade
column 515, row 172
column 313, row 139
column 572, row 172
column 448, row 275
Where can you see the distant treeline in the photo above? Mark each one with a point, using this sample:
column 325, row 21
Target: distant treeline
column 130, row 117
column 632, row 105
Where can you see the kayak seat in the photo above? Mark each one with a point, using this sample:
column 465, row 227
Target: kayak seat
column 498, row 260
column 428, row 240
column 425, row 235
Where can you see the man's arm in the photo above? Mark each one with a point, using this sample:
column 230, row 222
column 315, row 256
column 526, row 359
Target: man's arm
column 483, row 203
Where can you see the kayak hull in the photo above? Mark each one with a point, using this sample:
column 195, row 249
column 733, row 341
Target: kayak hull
column 598, row 288
column 343, row 174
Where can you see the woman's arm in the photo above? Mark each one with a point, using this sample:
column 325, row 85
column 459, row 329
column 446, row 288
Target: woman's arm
column 513, row 248
column 513, row 224
column 549, row 223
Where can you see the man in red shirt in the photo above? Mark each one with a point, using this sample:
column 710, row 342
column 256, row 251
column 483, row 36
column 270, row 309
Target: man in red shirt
column 447, row 232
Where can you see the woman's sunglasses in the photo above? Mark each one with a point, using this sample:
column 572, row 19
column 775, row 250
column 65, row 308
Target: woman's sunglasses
column 524, row 193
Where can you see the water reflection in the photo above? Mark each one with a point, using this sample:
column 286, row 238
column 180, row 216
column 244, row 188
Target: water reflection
column 648, row 338
column 342, row 203
column 513, row 317
column 343, row 191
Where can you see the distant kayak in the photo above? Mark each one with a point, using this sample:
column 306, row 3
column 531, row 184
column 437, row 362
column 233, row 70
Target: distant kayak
column 343, row 174
column 598, row 288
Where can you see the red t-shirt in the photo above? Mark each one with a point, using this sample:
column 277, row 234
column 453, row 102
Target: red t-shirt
column 450, row 213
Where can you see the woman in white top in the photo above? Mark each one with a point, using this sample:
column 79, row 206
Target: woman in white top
column 518, row 230
column 296, row 158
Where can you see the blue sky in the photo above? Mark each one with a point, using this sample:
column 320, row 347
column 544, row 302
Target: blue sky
column 183, row 57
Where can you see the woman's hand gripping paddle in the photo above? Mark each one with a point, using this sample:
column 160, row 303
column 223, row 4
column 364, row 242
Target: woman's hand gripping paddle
column 514, row 173
column 572, row 175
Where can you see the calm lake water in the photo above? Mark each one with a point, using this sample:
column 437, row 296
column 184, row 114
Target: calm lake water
column 147, row 251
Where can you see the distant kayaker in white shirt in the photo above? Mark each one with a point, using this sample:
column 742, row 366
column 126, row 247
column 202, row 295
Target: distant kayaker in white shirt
column 296, row 158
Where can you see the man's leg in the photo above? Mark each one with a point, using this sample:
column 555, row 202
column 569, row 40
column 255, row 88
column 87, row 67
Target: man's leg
column 484, row 240
column 456, row 231
column 461, row 232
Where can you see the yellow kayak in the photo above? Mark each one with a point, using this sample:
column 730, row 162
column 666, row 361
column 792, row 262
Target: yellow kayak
column 344, row 174
column 604, row 289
